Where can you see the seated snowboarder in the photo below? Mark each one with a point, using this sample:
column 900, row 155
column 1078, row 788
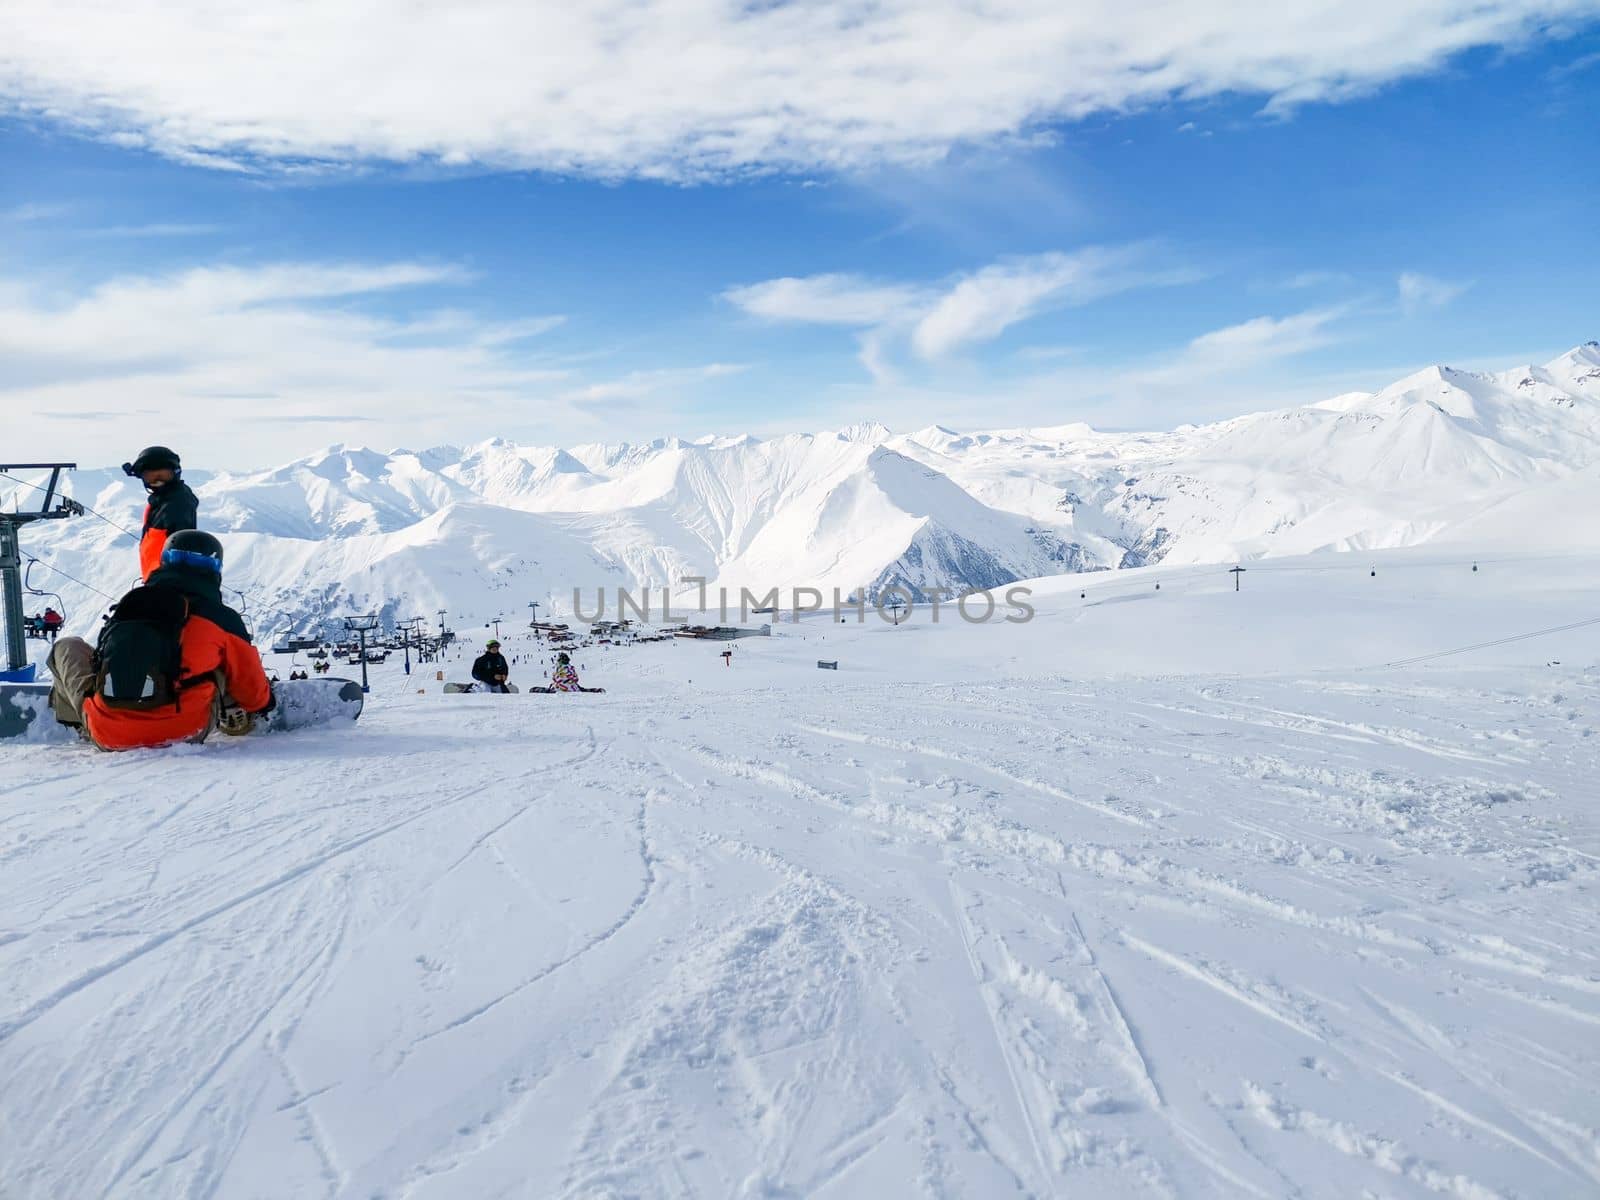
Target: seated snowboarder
column 565, row 678
column 52, row 623
column 173, row 662
column 490, row 670
column 172, row 506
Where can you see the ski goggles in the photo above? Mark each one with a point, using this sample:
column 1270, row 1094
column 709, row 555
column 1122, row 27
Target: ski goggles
column 188, row 558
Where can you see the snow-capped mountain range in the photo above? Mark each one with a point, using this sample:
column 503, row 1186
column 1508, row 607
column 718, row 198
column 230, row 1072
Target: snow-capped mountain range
column 1511, row 457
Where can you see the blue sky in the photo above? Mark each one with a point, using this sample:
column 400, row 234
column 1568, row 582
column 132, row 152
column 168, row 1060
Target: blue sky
column 1133, row 259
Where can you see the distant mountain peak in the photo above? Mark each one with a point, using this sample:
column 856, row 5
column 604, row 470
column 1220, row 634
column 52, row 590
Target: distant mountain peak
column 865, row 431
column 465, row 529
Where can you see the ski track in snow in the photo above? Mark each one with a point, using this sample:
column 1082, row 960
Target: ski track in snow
column 1324, row 936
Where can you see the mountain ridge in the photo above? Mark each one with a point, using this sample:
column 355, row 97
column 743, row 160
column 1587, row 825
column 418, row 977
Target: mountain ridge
column 862, row 508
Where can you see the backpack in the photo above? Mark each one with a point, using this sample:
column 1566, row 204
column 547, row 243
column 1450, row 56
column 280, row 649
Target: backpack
column 139, row 659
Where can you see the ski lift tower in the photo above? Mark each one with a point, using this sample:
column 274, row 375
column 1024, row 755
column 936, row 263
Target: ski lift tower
column 361, row 626
column 54, row 507
column 411, row 631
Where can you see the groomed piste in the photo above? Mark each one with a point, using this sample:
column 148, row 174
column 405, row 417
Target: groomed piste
column 1162, row 893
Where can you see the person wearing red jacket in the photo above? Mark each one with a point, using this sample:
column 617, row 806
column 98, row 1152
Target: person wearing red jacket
column 221, row 680
column 172, row 506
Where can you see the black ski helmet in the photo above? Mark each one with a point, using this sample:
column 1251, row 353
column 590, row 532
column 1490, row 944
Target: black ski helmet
column 154, row 458
column 195, row 549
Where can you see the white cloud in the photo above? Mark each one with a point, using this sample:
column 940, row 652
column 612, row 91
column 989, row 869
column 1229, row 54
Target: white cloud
column 1249, row 366
column 873, row 354
column 1315, row 279
column 213, row 312
column 974, row 308
column 827, row 300
column 1419, row 292
column 692, row 88
column 35, row 211
column 156, row 229
column 237, row 362
column 983, row 305
column 502, row 333
column 56, row 214
column 636, row 385
column 1234, row 349
column 1262, row 337
column 1576, row 67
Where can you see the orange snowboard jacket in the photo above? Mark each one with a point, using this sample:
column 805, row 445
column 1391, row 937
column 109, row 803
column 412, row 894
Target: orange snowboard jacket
column 214, row 639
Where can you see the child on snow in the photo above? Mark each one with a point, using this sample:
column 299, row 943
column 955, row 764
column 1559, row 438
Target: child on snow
column 565, row 678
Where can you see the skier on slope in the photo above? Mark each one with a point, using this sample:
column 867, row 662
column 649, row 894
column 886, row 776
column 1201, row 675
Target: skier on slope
column 490, row 669
column 565, row 678
column 172, row 507
column 173, row 662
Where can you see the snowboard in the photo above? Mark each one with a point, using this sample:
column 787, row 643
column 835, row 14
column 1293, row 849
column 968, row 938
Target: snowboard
column 25, row 714
column 302, row 704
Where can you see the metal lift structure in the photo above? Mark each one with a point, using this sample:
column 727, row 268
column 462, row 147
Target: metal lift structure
column 54, row 507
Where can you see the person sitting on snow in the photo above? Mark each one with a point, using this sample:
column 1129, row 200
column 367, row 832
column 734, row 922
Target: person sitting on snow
column 173, row 661
column 491, row 670
column 565, row 678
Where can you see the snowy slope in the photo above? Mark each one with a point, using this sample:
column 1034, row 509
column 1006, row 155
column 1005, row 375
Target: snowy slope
column 1551, row 515
column 1176, row 893
column 1429, row 457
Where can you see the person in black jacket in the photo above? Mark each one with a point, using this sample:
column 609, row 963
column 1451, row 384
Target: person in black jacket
column 172, row 506
column 490, row 668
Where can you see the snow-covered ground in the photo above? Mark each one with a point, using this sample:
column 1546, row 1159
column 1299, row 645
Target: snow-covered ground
column 1163, row 893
